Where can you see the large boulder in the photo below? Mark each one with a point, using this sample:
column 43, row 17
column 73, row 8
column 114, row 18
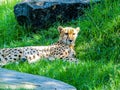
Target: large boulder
column 42, row 13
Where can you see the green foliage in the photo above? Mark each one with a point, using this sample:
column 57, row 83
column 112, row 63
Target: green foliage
column 97, row 46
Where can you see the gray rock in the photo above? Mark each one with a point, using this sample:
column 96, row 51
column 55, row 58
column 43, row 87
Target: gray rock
column 15, row 80
column 43, row 13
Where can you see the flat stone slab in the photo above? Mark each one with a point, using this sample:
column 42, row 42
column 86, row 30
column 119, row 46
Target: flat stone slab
column 10, row 79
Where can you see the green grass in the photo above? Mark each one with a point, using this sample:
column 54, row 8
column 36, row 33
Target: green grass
column 97, row 46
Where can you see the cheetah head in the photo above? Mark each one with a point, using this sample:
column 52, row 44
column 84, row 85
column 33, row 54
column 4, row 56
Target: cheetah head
column 68, row 35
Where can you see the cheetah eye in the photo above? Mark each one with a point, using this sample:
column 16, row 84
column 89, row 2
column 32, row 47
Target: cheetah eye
column 66, row 33
column 73, row 33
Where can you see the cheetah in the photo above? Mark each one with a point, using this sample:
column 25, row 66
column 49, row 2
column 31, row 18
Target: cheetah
column 63, row 49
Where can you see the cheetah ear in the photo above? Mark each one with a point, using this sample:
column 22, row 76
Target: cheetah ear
column 77, row 29
column 60, row 29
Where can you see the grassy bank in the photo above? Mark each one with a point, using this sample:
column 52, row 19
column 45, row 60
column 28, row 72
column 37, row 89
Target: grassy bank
column 97, row 46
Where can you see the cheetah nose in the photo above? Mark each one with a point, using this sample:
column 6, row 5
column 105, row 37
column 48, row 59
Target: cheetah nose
column 70, row 40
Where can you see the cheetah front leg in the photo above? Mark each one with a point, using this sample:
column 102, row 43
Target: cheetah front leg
column 71, row 59
column 64, row 59
column 51, row 58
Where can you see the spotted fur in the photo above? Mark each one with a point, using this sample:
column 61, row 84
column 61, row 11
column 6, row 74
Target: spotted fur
column 62, row 49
